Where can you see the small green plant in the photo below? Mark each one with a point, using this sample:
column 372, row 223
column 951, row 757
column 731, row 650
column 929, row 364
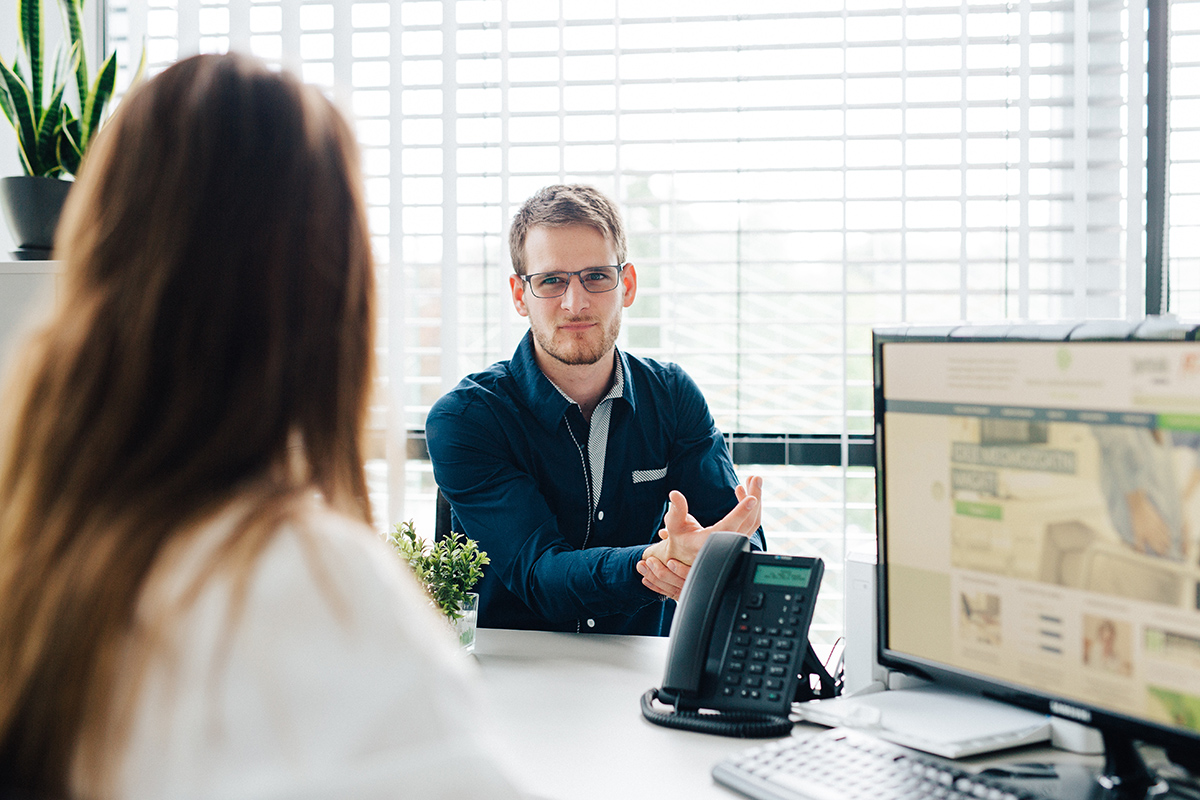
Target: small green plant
column 448, row 569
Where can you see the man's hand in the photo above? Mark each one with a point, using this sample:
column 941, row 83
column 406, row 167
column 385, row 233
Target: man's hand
column 1150, row 532
column 665, row 564
column 666, row 579
column 751, row 488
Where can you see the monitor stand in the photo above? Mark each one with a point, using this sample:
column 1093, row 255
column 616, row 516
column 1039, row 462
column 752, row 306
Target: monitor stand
column 1126, row 776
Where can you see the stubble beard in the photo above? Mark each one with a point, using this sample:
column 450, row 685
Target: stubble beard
column 576, row 353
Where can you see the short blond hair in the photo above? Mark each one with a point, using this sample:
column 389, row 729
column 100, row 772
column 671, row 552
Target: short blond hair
column 566, row 204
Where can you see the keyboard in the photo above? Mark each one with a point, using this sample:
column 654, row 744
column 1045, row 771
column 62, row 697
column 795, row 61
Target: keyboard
column 842, row 764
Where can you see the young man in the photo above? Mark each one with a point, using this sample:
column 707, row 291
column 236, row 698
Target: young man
column 560, row 462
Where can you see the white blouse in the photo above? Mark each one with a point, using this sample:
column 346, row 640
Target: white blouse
column 335, row 679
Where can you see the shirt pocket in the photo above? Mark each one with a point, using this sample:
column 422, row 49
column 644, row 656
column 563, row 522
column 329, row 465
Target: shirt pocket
column 649, row 475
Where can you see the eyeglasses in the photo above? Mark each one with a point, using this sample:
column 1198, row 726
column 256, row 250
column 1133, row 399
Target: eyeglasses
column 596, row 280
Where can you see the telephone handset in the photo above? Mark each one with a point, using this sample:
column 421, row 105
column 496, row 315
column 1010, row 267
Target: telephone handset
column 739, row 653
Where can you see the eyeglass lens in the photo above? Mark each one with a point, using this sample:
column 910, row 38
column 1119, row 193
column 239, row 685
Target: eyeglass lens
column 554, row 284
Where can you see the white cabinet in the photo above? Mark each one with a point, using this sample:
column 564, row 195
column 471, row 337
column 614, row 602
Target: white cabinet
column 27, row 288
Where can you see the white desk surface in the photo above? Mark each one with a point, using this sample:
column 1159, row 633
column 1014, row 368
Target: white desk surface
column 568, row 709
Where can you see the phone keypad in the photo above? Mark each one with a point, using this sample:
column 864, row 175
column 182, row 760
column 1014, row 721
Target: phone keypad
column 765, row 650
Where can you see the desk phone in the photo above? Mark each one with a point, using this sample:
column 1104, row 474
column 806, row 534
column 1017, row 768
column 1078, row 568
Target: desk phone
column 739, row 641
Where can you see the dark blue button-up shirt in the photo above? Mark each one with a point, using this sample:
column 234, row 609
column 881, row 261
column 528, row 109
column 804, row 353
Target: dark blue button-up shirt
column 510, row 453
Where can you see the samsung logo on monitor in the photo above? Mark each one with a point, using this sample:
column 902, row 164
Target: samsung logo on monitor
column 1070, row 712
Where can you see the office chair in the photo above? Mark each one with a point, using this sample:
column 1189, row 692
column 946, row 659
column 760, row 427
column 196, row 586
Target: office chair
column 441, row 519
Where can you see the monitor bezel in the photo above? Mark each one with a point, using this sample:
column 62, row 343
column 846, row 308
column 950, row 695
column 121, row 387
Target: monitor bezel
column 1175, row 740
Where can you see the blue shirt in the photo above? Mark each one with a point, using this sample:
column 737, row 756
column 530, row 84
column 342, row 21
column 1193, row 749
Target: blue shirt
column 564, row 511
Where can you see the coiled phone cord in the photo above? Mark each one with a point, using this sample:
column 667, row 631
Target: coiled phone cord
column 745, row 724
column 742, row 724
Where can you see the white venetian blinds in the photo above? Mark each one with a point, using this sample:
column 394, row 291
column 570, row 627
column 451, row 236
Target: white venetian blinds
column 792, row 174
column 1183, row 153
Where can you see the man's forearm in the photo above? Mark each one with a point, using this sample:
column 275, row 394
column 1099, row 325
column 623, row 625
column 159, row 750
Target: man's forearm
column 568, row 584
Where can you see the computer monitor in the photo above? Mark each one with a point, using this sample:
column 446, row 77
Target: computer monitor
column 1039, row 525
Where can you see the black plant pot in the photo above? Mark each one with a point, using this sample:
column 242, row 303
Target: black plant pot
column 31, row 208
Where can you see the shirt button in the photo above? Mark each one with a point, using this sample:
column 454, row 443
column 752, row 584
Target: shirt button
column 591, row 623
column 600, row 515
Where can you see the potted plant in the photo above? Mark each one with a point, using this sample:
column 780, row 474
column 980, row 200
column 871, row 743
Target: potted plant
column 51, row 136
column 449, row 570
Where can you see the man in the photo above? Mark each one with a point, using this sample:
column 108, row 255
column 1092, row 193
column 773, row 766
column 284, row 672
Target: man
column 560, row 461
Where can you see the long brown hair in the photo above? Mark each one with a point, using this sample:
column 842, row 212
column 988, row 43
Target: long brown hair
column 212, row 337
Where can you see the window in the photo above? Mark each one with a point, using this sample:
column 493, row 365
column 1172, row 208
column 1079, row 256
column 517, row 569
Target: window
column 792, row 174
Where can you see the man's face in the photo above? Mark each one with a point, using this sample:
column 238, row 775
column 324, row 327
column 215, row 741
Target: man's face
column 579, row 327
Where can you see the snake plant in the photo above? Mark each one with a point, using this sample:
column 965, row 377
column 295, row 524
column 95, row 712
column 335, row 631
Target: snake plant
column 51, row 135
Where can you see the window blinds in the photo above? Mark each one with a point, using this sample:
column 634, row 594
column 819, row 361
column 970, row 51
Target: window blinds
column 1183, row 153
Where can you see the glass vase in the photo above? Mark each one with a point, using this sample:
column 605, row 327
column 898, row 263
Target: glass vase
column 464, row 626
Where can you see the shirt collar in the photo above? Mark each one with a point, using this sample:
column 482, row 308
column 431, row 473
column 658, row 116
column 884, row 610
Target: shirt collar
column 544, row 399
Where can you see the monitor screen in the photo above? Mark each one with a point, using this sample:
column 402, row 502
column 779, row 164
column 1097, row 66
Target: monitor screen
column 1039, row 521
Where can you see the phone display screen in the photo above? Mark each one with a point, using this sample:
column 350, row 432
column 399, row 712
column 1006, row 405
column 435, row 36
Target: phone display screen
column 773, row 575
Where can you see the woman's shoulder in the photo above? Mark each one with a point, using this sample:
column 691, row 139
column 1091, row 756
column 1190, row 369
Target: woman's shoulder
column 315, row 575
column 348, row 563
column 343, row 572
column 331, row 546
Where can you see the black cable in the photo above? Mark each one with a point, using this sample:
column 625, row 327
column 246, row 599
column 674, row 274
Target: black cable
column 828, row 685
column 744, row 725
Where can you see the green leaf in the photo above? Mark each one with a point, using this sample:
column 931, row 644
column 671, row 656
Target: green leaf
column 6, row 104
column 59, row 62
column 74, row 9
column 97, row 99
column 22, row 107
column 70, row 153
column 140, row 73
column 47, row 133
column 68, row 156
column 57, row 102
column 29, row 12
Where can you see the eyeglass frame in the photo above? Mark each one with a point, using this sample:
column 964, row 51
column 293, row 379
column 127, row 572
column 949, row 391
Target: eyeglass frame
column 578, row 274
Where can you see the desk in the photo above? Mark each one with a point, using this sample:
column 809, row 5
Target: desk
column 567, row 708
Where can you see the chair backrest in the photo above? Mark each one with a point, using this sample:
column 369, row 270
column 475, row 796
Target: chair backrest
column 441, row 519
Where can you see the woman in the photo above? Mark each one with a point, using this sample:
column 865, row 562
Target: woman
column 192, row 603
